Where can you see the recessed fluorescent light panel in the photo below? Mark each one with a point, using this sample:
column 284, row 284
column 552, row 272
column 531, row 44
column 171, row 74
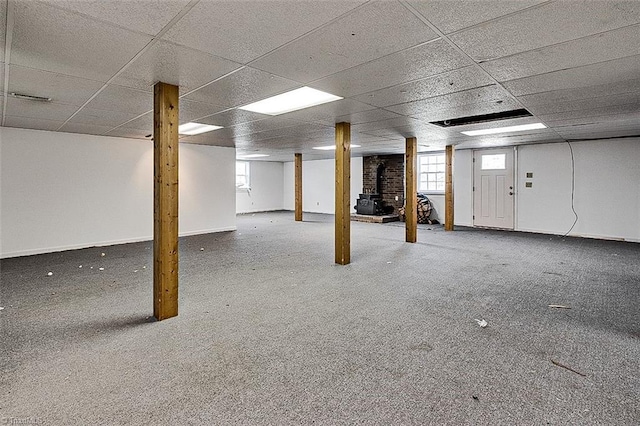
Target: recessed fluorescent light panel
column 509, row 129
column 294, row 100
column 196, row 128
column 331, row 147
column 253, row 155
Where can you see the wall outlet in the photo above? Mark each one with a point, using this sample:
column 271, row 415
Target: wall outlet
column 317, row 203
column 396, row 198
column 529, row 175
column 528, row 184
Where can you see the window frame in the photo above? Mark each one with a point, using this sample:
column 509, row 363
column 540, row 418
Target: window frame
column 247, row 176
column 439, row 154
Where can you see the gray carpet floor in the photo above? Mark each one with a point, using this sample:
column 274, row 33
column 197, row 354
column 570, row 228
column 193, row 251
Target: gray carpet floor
column 270, row 331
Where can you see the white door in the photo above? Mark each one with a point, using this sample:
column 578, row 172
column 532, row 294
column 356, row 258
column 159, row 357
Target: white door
column 493, row 188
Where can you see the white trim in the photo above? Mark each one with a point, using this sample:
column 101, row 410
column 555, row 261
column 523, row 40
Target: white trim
column 31, row 252
column 576, row 235
column 208, row 231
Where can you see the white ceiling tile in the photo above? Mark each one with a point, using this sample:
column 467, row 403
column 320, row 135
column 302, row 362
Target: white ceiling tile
column 591, row 134
column 251, row 127
column 173, row 64
column 609, row 72
column 371, row 116
column 60, row 88
column 35, row 123
column 377, row 29
column 100, row 117
column 448, row 82
column 550, row 121
column 242, row 87
column 485, row 100
column 384, row 125
column 232, row 117
column 143, row 123
column 451, row 16
column 602, row 126
column 508, row 140
column 242, row 31
column 36, row 109
column 55, row 40
column 191, row 110
column 88, row 129
column 581, row 93
column 592, row 112
column 327, row 113
column 408, row 65
column 124, row 99
column 599, row 48
column 576, row 105
column 148, row 16
column 549, row 24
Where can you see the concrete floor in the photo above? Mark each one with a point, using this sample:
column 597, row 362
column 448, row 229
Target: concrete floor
column 272, row 332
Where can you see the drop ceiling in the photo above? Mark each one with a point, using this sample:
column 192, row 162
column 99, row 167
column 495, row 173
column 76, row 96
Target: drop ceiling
column 575, row 65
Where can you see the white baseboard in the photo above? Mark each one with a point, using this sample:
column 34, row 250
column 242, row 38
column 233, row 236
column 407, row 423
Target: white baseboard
column 30, row 252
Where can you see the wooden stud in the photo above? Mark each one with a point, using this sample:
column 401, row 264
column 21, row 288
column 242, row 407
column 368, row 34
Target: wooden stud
column 343, row 193
column 165, row 201
column 411, row 208
column 448, row 188
column 298, row 184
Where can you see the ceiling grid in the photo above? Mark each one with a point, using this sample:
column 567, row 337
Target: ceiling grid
column 399, row 65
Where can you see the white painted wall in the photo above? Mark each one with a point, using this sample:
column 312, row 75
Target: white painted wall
column 318, row 185
column 462, row 188
column 61, row 191
column 607, row 189
column 266, row 193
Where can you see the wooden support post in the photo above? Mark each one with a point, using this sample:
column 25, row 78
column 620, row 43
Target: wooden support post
column 343, row 193
column 165, row 201
column 298, row 184
column 411, row 208
column 448, row 189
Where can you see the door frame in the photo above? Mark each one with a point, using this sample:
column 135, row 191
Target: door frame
column 515, row 187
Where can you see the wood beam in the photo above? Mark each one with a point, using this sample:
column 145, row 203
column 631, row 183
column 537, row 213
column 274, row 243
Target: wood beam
column 411, row 208
column 343, row 194
column 298, row 185
column 165, row 201
column 448, row 188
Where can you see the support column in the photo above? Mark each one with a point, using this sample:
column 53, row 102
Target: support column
column 298, row 185
column 411, row 207
column 165, row 201
column 448, row 189
column 343, row 193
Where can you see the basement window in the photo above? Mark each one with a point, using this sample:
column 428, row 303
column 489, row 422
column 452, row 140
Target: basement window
column 431, row 173
column 243, row 175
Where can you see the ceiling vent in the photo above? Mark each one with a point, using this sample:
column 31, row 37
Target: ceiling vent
column 29, row 97
column 475, row 119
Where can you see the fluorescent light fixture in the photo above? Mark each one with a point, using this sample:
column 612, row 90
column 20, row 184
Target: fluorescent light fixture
column 253, row 155
column 332, row 147
column 521, row 128
column 196, row 128
column 294, row 100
